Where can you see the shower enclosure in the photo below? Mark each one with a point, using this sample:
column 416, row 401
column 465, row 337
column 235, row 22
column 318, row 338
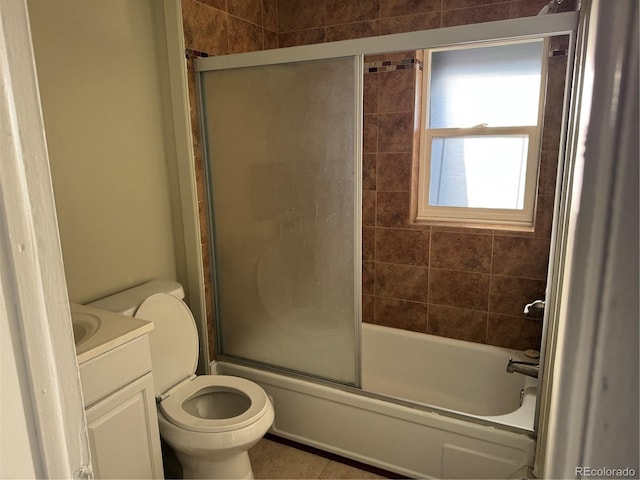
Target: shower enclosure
column 283, row 138
column 284, row 170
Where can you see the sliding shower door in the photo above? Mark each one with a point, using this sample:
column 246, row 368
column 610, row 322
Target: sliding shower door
column 282, row 145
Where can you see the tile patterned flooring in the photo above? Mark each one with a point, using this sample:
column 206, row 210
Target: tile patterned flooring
column 273, row 460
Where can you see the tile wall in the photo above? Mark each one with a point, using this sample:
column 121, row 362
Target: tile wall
column 303, row 22
column 465, row 283
column 462, row 283
column 220, row 27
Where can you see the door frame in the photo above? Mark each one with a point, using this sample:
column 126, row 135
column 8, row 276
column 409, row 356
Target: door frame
column 589, row 418
column 34, row 290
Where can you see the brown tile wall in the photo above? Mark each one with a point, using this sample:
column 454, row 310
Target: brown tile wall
column 202, row 208
column 461, row 283
column 302, row 22
column 220, row 27
column 465, row 283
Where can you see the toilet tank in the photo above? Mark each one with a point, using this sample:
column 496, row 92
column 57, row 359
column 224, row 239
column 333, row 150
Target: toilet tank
column 127, row 301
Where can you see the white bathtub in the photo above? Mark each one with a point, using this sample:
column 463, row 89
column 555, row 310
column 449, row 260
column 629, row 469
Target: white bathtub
column 431, row 407
column 453, row 375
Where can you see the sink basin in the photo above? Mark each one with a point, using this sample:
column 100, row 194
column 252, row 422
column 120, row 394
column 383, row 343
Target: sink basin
column 84, row 326
column 96, row 331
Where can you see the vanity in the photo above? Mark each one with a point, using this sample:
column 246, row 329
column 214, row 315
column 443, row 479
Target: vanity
column 117, row 385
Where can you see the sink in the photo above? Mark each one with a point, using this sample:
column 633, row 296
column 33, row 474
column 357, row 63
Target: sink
column 84, row 326
column 96, row 331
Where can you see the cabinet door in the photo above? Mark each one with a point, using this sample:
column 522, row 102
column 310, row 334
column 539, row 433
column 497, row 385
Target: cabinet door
column 123, row 433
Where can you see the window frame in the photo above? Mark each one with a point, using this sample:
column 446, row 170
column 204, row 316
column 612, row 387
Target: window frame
column 482, row 216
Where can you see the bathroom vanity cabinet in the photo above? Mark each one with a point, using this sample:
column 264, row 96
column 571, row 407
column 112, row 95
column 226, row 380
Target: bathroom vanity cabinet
column 120, row 407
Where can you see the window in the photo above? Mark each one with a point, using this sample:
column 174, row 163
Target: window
column 480, row 150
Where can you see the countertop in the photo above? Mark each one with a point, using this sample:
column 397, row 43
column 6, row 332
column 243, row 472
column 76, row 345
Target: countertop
column 107, row 330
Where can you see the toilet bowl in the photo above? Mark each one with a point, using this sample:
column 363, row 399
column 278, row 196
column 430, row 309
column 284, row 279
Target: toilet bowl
column 209, row 420
column 215, row 447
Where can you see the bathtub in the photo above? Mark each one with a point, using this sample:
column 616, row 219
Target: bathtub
column 430, row 407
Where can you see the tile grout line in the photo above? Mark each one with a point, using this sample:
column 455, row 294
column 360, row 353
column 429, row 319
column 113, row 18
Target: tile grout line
column 323, row 468
column 325, row 21
column 486, row 334
column 262, row 28
column 375, row 222
column 429, row 278
column 429, row 261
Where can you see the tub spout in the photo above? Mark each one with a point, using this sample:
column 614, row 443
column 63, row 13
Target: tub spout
column 525, row 368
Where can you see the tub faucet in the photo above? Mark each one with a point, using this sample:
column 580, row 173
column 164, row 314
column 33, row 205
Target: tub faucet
column 525, row 368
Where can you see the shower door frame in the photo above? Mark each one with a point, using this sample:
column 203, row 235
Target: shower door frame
column 514, row 29
column 221, row 64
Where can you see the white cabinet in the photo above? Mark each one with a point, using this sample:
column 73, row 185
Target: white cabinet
column 121, row 412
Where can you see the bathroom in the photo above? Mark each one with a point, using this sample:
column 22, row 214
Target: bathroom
column 96, row 234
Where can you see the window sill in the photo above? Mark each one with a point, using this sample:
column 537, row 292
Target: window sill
column 442, row 224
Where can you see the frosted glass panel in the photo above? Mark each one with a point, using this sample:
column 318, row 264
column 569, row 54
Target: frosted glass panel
column 282, row 157
column 478, row 171
column 499, row 86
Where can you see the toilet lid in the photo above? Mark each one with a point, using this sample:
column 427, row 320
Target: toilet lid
column 174, row 340
column 173, row 406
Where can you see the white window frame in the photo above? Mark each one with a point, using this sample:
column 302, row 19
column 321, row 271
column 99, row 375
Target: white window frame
column 482, row 216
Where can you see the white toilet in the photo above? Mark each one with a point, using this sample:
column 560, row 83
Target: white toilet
column 209, row 420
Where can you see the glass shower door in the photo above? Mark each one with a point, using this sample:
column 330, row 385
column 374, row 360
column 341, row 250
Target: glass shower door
column 283, row 158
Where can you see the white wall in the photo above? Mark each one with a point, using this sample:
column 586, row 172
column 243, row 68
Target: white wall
column 100, row 89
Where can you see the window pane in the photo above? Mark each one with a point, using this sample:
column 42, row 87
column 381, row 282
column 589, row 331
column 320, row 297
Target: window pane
column 480, row 171
column 498, row 85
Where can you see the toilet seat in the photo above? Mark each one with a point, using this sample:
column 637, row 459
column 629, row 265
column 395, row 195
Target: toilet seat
column 173, row 406
column 174, row 356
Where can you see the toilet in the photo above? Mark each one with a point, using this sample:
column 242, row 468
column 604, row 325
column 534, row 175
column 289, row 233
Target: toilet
column 210, row 421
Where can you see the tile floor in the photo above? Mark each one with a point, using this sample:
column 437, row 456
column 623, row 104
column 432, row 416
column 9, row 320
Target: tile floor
column 273, row 460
